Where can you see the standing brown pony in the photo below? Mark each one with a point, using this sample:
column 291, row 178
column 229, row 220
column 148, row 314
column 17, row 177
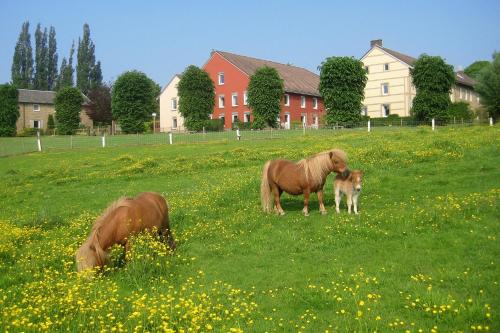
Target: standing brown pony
column 306, row 176
column 121, row 219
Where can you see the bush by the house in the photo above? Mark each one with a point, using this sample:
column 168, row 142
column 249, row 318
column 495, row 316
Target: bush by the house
column 68, row 104
column 8, row 110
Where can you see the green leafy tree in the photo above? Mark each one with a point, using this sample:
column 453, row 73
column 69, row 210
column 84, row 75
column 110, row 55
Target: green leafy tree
column 475, row 68
column 488, row 86
column 133, row 100
column 22, row 63
column 88, row 73
column 341, row 84
column 65, row 78
column 433, row 79
column 52, row 59
column 41, row 56
column 51, row 124
column 68, row 104
column 196, row 97
column 460, row 110
column 265, row 92
column 9, row 112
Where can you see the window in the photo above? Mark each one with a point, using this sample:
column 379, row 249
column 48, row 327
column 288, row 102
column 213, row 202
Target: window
column 461, row 93
column 174, row 103
column 386, row 110
column 36, row 108
column 37, row 123
column 174, row 122
column 367, row 69
column 234, row 117
column 303, row 101
column 234, row 99
column 222, row 101
column 303, row 119
column 245, row 98
column 246, row 117
column 386, row 67
column 385, row 89
column 315, row 103
column 287, row 100
column 364, row 111
column 221, row 79
column 315, row 120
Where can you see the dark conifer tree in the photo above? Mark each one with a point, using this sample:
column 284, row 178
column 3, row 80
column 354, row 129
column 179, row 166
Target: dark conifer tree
column 22, row 64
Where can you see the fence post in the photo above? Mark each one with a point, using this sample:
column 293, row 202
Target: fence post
column 491, row 121
column 238, row 135
column 433, row 124
column 170, row 137
column 103, row 140
column 39, row 142
column 369, row 126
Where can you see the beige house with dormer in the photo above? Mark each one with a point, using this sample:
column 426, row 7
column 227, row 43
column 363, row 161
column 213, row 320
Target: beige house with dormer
column 35, row 106
column 170, row 117
column 389, row 89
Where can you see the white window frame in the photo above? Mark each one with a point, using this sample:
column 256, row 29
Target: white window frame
column 286, row 100
column 245, row 115
column 233, row 118
column 234, row 99
column 382, row 87
column 222, row 101
column 173, row 103
column 386, row 67
column 245, row 98
column 36, row 107
column 383, row 110
column 302, row 102
column 221, row 78
column 174, row 122
column 40, row 123
column 303, row 119
column 315, row 103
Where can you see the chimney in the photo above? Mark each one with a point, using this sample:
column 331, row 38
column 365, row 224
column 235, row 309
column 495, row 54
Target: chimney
column 377, row 42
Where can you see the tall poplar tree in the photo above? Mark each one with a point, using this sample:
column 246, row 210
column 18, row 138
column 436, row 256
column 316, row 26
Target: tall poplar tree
column 88, row 73
column 52, row 59
column 22, row 63
column 41, row 52
column 65, row 78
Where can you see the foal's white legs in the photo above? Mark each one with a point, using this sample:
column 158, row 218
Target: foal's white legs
column 355, row 201
column 337, row 200
column 349, row 203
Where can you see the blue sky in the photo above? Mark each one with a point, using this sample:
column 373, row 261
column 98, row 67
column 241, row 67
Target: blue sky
column 161, row 38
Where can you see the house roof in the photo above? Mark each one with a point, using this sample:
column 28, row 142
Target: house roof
column 460, row 76
column 296, row 79
column 173, row 77
column 41, row 97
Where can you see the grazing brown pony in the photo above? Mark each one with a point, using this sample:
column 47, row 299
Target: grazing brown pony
column 304, row 177
column 118, row 222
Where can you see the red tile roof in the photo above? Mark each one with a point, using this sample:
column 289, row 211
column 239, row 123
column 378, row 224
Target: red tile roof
column 296, row 80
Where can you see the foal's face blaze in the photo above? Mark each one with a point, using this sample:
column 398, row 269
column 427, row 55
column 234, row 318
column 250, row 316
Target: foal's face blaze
column 357, row 179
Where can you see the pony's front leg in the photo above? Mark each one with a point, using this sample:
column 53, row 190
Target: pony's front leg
column 322, row 209
column 306, row 202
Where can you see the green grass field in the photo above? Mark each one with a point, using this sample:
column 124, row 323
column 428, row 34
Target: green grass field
column 422, row 256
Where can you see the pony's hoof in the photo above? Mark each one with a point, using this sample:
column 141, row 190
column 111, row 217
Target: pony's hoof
column 323, row 212
column 306, row 213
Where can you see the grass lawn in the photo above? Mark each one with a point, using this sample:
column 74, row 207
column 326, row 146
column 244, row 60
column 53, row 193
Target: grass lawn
column 421, row 255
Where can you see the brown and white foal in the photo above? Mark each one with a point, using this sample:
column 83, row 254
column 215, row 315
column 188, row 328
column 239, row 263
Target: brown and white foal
column 349, row 185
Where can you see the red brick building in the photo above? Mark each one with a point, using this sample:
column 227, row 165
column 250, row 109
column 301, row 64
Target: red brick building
column 231, row 74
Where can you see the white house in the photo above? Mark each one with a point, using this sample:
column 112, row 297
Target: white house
column 170, row 117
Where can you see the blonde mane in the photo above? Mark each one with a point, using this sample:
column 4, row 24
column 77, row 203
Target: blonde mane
column 319, row 165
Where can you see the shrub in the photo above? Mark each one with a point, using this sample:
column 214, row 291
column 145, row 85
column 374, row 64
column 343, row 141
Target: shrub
column 460, row 110
column 9, row 112
column 68, row 104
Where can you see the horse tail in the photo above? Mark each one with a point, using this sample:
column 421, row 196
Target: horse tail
column 265, row 189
